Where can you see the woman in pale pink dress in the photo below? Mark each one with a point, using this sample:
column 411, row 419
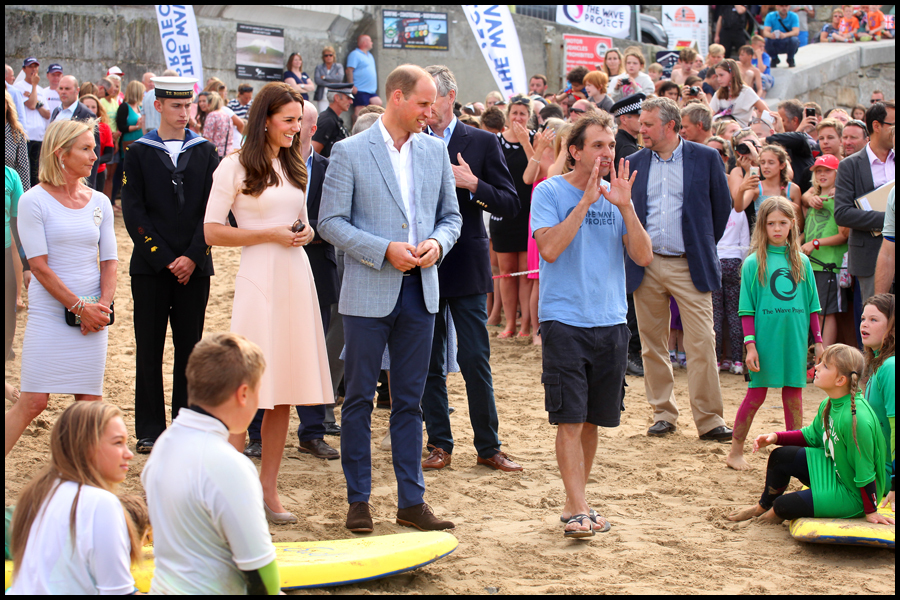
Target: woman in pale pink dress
column 275, row 302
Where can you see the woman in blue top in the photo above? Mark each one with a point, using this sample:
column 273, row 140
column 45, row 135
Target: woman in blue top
column 296, row 78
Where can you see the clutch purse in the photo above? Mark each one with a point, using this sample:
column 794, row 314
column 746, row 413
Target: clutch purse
column 74, row 320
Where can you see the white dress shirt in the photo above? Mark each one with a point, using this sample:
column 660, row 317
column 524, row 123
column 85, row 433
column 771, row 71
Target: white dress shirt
column 401, row 161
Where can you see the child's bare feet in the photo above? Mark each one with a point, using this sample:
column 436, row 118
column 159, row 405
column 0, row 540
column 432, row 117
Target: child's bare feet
column 770, row 517
column 536, row 340
column 735, row 458
column 745, row 514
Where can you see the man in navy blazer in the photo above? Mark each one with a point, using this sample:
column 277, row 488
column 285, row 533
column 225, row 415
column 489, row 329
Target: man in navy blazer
column 483, row 183
column 681, row 197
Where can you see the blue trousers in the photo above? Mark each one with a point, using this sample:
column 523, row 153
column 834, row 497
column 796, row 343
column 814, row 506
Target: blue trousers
column 470, row 318
column 407, row 331
column 787, row 46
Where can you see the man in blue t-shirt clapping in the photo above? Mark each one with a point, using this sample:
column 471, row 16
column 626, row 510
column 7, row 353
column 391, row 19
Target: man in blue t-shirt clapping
column 583, row 226
column 781, row 30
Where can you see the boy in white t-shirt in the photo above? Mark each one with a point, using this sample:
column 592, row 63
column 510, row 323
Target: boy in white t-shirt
column 206, row 504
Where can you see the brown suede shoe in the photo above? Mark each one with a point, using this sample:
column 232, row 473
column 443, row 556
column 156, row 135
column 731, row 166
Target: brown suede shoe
column 438, row 459
column 319, row 449
column 359, row 519
column 421, row 517
column 500, row 462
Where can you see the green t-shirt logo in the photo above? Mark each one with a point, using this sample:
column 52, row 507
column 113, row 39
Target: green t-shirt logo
column 790, row 288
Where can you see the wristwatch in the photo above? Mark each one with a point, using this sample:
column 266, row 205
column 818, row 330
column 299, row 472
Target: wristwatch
column 816, row 244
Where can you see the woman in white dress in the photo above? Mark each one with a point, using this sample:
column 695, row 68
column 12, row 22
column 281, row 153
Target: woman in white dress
column 63, row 224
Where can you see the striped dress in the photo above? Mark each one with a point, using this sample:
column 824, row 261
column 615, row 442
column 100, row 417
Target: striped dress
column 57, row 358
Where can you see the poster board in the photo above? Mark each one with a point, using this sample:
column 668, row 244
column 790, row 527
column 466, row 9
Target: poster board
column 414, row 30
column 260, row 52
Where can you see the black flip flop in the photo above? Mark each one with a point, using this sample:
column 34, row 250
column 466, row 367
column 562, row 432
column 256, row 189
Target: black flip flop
column 580, row 534
column 594, row 515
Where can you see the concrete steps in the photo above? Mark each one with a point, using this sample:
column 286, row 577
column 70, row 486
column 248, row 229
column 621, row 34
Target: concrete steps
column 820, row 64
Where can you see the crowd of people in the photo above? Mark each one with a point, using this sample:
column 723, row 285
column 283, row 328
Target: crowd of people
column 628, row 223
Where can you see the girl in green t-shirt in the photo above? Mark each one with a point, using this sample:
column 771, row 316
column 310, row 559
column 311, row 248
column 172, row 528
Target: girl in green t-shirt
column 778, row 300
column 825, row 243
column 840, row 455
column 877, row 331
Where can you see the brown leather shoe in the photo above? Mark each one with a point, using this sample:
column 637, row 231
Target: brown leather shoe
column 319, row 449
column 359, row 519
column 499, row 461
column 438, row 459
column 421, row 517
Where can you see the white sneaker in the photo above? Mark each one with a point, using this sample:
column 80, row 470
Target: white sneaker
column 737, row 368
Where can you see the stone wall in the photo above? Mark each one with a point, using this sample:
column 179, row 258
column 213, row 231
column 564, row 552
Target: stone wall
column 854, row 88
column 89, row 39
column 838, row 74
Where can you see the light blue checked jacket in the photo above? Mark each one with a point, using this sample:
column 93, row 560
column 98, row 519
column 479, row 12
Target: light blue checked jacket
column 362, row 212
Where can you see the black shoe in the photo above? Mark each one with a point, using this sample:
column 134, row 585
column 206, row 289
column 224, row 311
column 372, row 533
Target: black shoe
column 775, row 61
column 634, row 367
column 661, row 428
column 791, row 64
column 253, row 449
column 719, row 434
column 319, row 449
column 144, row 445
column 332, row 429
column 451, row 410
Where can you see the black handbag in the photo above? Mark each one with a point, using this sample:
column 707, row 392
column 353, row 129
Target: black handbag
column 74, row 320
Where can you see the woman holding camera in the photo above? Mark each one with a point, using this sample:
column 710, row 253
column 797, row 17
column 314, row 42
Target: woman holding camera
column 633, row 80
column 733, row 97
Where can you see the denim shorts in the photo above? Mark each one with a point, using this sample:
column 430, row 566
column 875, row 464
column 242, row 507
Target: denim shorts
column 584, row 373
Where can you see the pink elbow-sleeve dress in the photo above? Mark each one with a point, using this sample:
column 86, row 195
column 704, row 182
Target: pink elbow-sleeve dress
column 275, row 303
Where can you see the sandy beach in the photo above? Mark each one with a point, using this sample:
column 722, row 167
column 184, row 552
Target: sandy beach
column 665, row 497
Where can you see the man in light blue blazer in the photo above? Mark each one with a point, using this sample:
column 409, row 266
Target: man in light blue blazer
column 389, row 202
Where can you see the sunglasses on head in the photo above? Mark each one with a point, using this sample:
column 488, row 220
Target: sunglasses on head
column 520, row 100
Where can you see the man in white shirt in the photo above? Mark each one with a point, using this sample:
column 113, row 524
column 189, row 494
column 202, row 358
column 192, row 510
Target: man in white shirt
column 389, row 202
column 148, row 111
column 36, row 115
column 51, row 92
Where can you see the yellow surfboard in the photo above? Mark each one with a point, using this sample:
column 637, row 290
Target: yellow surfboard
column 850, row 532
column 335, row 562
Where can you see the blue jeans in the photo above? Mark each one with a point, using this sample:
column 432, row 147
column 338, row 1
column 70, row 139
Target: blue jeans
column 407, row 331
column 787, row 46
column 470, row 318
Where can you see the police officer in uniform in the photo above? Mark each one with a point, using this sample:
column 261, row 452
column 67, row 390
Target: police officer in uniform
column 627, row 111
column 166, row 184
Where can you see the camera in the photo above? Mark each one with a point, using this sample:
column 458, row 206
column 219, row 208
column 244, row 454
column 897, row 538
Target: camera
column 810, row 112
column 626, row 81
column 694, row 90
column 742, row 148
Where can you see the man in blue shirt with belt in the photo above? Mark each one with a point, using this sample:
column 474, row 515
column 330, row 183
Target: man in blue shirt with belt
column 361, row 73
column 781, row 30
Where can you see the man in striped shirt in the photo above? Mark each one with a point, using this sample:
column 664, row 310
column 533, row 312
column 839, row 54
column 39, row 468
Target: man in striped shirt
column 681, row 197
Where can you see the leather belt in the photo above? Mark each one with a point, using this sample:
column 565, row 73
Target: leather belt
column 417, row 271
column 671, row 255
